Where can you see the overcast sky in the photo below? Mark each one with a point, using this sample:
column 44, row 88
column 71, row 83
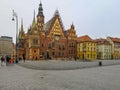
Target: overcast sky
column 96, row 18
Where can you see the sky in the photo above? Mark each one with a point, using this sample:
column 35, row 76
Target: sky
column 96, row 18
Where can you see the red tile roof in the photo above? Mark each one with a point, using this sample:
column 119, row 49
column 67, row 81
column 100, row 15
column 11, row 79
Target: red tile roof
column 84, row 38
column 102, row 41
column 115, row 39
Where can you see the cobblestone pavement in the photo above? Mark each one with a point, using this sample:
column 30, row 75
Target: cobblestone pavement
column 15, row 77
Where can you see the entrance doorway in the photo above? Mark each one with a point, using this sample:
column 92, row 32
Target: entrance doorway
column 48, row 56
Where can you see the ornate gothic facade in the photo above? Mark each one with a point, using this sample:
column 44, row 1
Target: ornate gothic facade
column 47, row 40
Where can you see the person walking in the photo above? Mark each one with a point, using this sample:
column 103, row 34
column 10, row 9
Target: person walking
column 24, row 57
column 2, row 61
column 10, row 61
column 7, row 60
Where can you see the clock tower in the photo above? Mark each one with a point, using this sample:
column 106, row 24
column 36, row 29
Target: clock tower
column 40, row 18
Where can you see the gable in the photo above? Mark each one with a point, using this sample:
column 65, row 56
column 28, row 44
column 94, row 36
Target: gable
column 72, row 34
column 56, row 28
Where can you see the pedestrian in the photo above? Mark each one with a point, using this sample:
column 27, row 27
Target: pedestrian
column 7, row 60
column 2, row 61
column 10, row 61
column 24, row 57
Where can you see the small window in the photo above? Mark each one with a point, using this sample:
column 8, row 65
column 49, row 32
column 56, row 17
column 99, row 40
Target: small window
column 53, row 53
column 42, row 45
column 34, row 51
column 59, row 53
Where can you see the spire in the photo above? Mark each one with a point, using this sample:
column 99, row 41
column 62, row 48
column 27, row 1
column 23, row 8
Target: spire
column 34, row 14
column 72, row 26
column 22, row 29
column 21, row 32
column 40, row 10
column 34, row 22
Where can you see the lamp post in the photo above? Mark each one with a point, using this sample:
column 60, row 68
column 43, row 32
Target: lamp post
column 84, row 50
column 13, row 19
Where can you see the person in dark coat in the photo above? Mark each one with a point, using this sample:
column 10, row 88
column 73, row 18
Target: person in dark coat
column 7, row 60
column 2, row 60
column 24, row 57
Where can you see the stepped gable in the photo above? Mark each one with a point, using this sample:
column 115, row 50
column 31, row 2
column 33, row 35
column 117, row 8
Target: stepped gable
column 48, row 26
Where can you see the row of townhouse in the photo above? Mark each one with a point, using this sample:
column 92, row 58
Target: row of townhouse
column 106, row 49
column 115, row 45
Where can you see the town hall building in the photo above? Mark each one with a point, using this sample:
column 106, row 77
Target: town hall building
column 47, row 40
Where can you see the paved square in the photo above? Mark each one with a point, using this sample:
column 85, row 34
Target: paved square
column 99, row 78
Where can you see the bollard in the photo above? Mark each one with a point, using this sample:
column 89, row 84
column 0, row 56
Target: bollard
column 100, row 63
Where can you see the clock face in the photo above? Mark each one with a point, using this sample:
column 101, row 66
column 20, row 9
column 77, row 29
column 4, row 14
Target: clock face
column 57, row 37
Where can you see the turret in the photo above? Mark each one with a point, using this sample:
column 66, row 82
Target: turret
column 40, row 18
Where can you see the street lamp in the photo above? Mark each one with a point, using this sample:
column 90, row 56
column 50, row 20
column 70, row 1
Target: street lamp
column 13, row 19
column 84, row 50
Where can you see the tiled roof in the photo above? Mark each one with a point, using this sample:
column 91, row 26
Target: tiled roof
column 84, row 38
column 102, row 41
column 48, row 24
column 66, row 32
column 115, row 39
